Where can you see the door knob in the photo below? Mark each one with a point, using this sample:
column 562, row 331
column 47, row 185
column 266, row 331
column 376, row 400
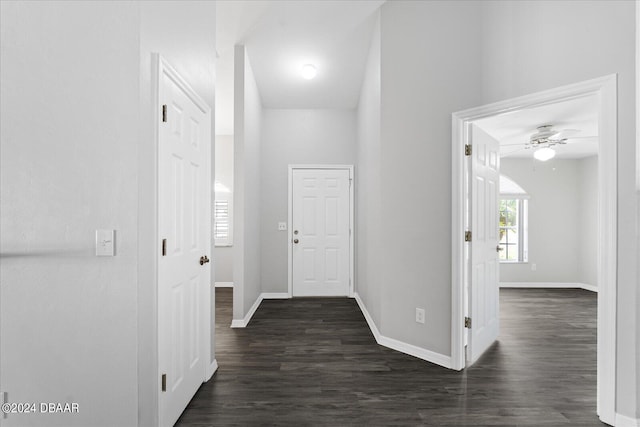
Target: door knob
column 295, row 240
column 204, row 260
column 498, row 248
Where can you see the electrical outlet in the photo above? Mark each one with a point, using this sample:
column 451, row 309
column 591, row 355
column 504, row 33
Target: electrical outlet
column 420, row 315
column 282, row 226
column 533, row 267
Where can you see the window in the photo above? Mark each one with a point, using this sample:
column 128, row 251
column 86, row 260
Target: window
column 513, row 230
column 221, row 231
column 222, row 215
column 513, row 222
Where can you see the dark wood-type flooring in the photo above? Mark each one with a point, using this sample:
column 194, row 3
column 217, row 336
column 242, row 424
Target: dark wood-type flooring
column 314, row 362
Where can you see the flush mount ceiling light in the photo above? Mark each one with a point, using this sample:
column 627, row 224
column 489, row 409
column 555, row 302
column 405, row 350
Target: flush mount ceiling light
column 544, row 154
column 309, row 71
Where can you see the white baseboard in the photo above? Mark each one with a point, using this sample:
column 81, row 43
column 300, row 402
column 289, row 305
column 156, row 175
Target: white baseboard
column 211, row 369
column 624, row 421
column 224, row 284
column 592, row 288
column 242, row 323
column 412, row 350
column 368, row 318
column 550, row 285
column 415, row 351
column 275, row 295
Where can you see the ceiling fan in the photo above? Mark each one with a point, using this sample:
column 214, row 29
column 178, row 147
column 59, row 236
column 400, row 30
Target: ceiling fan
column 544, row 139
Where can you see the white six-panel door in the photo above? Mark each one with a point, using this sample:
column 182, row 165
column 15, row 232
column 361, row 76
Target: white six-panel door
column 320, row 232
column 184, row 213
column 484, row 289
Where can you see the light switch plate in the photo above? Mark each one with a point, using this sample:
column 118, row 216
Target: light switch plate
column 282, row 226
column 105, row 242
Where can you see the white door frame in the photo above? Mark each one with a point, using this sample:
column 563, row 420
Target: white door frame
column 605, row 88
column 290, row 222
column 162, row 67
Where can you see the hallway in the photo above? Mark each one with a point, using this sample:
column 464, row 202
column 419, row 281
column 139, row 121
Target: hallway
column 313, row 361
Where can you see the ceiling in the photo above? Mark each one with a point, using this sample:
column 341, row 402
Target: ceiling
column 580, row 114
column 282, row 36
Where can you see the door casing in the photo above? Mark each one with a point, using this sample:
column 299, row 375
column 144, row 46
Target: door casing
column 290, row 223
column 605, row 89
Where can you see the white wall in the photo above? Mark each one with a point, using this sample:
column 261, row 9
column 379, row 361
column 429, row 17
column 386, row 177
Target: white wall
column 588, row 221
column 223, row 255
column 247, row 186
column 295, row 137
column 430, row 53
column 69, row 135
column 224, row 264
column 368, row 252
column 76, row 131
column 557, row 238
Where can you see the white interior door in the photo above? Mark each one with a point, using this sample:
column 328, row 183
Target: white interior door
column 184, row 221
column 483, row 290
column 320, row 232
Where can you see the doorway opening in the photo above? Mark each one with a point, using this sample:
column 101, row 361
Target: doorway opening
column 464, row 254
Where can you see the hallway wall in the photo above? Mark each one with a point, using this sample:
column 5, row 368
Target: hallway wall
column 77, row 155
column 369, row 261
column 66, row 171
column 247, row 186
column 295, row 137
column 423, row 81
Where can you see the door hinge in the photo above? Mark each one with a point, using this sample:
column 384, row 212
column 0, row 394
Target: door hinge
column 350, row 181
column 467, row 236
column 164, row 247
column 467, row 322
column 164, row 113
column 164, row 382
column 467, row 149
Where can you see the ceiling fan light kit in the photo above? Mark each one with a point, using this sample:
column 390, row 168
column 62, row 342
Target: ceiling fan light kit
column 545, row 153
column 546, row 135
